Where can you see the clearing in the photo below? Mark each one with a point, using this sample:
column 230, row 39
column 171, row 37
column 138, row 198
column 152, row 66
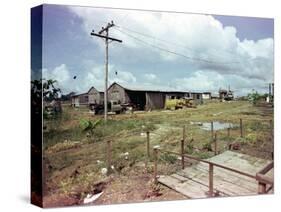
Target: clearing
column 74, row 160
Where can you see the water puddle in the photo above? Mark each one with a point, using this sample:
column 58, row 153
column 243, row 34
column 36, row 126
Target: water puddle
column 216, row 124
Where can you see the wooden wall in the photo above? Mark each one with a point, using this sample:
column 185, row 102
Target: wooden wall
column 117, row 93
column 95, row 97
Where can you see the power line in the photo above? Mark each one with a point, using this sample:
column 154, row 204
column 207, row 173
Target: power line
column 176, row 44
column 173, row 52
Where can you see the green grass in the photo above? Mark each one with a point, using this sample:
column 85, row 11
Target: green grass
column 125, row 133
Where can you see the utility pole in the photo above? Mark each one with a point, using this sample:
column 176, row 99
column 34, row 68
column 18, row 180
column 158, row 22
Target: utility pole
column 107, row 38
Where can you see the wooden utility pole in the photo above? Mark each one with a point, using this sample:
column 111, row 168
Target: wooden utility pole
column 106, row 38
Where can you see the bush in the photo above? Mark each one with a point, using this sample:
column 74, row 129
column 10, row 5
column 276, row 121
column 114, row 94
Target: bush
column 207, row 146
column 169, row 158
column 89, row 126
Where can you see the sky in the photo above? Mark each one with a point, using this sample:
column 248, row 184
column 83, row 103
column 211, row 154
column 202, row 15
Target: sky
column 160, row 50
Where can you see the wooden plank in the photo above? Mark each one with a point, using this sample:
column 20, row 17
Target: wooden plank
column 264, row 179
column 215, row 164
column 188, row 188
column 267, row 168
column 194, row 181
column 234, row 178
column 223, row 186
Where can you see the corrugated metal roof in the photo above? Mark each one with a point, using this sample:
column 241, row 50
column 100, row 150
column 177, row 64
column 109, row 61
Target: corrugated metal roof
column 151, row 88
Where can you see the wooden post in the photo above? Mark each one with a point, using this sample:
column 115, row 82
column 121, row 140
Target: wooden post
column 211, row 178
column 148, row 145
column 261, row 188
column 212, row 129
column 216, row 147
column 182, row 154
column 271, row 129
column 106, row 39
column 228, row 132
column 155, row 149
column 241, row 128
column 108, row 157
column 183, row 133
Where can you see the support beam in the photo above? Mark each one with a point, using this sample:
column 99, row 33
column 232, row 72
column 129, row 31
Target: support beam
column 211, row 180
column 241, row 128
column 155, row 149
column 212, row 129
column 108, row 157
column 148, row 145
column 182, row 154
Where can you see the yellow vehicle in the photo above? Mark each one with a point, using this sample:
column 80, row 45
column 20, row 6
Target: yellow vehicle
column 174, row 104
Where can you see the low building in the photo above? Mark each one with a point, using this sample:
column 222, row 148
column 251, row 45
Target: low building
column 142, row 99
column 79, row 100
column 206, row 95
column 93, row 96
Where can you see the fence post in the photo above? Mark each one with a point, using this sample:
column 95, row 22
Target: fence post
column 261, row 188
column 108, row 156
column 271, row 129
column 184, row 133
column 216, row 147
column 228, row 132
column 148, row 145
column 212, row 129
column 241, row 128
column 155, row 150
column 211, row 178
column 182, row 154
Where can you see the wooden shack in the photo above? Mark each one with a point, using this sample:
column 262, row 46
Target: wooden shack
column 93, row 96
column 79, row 100
column 147, row 99
column 206, row 95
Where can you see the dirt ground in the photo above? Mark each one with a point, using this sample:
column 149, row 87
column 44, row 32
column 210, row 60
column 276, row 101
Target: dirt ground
column 74, row 161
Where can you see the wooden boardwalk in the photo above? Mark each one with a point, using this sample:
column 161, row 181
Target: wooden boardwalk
column 193, row 180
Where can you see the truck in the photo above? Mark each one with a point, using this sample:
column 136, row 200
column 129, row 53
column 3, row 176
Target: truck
column 226, row 95
column 174, row 104
column 112, row 106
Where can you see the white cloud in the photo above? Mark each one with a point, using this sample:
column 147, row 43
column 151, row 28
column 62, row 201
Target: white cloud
column 212, row 81
column 60, row 73
column 122, row 77
column 198, row 37
column 200, row 81
column 94, row 77
column 150, row 77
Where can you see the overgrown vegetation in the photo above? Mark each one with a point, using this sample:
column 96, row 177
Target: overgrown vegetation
column 254, row 97
column 76, row 144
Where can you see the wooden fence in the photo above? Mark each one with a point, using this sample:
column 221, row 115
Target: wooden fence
column 182, row 150
column 262, row 179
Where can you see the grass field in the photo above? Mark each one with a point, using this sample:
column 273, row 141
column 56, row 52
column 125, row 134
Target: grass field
column 74, row 159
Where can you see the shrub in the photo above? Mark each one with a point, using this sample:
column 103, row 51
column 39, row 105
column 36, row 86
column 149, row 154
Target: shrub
column 168, row 158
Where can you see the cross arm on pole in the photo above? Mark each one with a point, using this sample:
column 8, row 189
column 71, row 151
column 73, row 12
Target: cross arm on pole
column 106, row 37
